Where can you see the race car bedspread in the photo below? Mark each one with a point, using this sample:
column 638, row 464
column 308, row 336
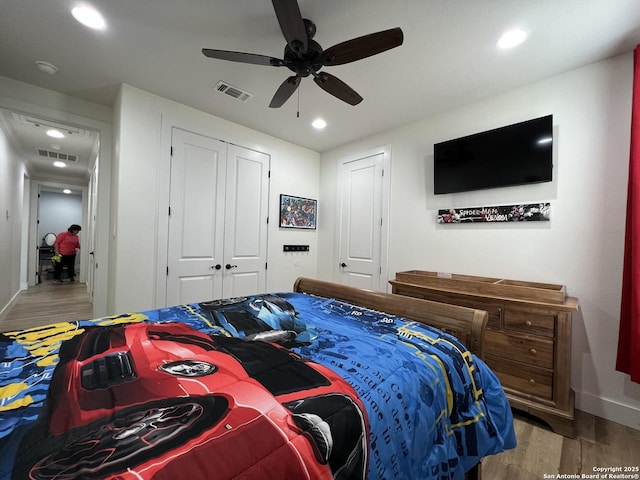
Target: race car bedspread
column 277, row 386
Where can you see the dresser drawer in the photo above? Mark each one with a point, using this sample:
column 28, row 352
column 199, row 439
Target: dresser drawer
column 529, row 350
column 492, row 308
column 495, row 316
column 529, row 323
column 523, row 378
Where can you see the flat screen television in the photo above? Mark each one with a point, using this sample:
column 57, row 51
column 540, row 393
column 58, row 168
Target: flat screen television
column 516, row 154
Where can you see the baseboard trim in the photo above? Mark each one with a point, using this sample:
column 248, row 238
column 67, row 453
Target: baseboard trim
column 609, row 409
column 7, row 308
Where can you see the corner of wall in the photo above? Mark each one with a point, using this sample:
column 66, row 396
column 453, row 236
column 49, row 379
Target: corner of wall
column 609, row 409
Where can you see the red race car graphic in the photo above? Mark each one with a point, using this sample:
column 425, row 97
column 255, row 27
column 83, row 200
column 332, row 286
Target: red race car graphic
column 164, row 402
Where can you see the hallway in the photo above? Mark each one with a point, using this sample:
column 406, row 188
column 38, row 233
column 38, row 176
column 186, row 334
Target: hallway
column 48, row 303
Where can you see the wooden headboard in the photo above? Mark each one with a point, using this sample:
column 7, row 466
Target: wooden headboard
column 466, row 324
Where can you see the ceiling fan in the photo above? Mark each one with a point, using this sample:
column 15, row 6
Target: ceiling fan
column 305, row 56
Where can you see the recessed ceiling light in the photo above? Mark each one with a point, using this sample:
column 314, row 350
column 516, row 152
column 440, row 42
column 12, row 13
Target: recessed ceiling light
column 89, row 17
column 512, row 38
column 67, row 191
column 46, row 67
column 55, row 133
column 319, row 124
column 59, row 164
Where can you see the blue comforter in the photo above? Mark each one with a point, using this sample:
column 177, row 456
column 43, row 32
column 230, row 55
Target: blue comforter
column 433, row 408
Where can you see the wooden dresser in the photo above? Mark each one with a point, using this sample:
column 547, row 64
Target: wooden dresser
column 528, row 339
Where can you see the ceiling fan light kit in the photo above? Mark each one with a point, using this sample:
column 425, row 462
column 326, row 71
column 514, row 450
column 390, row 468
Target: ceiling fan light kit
column 305, row 57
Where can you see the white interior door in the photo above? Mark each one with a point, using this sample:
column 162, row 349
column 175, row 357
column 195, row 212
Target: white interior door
column 361, row 222
column 196, row 218
column 93, row 198
column 217, row 242
column 39, row 269
column 245, row 231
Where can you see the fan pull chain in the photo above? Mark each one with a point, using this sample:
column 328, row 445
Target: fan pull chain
column 298, row 113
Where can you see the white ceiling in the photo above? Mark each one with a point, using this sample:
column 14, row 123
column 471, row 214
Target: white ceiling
column 448, row 57
column 76, row 150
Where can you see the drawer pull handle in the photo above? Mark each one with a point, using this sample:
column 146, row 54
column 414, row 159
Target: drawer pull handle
column 532, row 382
column 533, row 351
column 528, row 323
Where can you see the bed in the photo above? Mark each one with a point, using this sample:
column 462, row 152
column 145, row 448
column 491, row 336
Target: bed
column 325, row 381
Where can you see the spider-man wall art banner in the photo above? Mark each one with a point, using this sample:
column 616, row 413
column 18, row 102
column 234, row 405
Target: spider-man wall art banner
column 505, row 213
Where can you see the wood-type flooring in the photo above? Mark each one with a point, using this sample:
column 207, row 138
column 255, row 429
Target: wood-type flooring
column 48, row 302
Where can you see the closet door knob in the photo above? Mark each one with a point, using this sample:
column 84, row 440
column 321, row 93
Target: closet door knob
column 217, row 267
column 228, row 266
column 343, row 265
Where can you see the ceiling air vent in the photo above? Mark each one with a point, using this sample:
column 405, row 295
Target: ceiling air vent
column 232, row 91
column 67, row 157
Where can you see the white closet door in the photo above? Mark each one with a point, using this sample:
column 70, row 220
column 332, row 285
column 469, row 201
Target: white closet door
column 245, row 231
column 91, row 230
column 360, row 222
column 196, row 221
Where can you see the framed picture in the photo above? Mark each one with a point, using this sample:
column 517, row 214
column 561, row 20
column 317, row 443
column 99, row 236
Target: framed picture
column 298, row 212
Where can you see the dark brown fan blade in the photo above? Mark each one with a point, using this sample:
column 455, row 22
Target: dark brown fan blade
column 362, row 47
column 241, row 57
column 291, row 24
column 285, row 90
column 337, row 88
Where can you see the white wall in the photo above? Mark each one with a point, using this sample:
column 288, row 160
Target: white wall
column 582, row 245
column 142, row 125
column 57, row 212
column 11, row 203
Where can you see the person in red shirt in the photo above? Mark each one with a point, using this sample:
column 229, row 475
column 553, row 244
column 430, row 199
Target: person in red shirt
column 66, row 245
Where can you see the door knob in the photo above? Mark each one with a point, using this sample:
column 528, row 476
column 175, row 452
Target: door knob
column 343, row 265
column 217, row 267
column 229, row 266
